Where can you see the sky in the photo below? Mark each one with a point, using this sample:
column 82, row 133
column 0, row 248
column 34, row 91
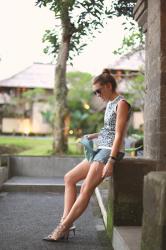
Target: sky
column 22, row 25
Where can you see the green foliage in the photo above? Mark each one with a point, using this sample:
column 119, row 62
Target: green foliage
column 33, row 94
column 124, row 7
column 82, row 20
column 136, row 92
column 83, row 120
column 87, row 17
column 134, row 38
column 79, row 84
column 48, row 116
column 134, row 41
column 32, row 146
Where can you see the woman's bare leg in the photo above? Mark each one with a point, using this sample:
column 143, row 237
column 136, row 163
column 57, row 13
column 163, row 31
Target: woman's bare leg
column 71, row 178
column 93, row 179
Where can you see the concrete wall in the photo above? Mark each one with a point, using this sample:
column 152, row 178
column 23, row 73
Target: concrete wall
column 40, row 126
column 41, row 166
column 16, row 125
column 137, row 119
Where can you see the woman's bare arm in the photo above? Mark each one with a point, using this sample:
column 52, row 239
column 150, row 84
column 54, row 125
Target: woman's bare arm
column 121, row 122
column 92, row 136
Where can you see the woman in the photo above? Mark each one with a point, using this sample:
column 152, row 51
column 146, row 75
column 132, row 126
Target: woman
column 110, row 142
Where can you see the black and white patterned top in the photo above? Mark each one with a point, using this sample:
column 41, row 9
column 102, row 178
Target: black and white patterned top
column 107, row 133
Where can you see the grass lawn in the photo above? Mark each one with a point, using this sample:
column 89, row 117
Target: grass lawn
column 33, row 146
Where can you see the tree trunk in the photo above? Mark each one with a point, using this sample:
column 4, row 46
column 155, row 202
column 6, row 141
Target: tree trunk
column 60, row 94
column 60, row 90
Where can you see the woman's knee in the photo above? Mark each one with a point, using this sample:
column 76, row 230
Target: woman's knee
column 86, row 190
column 68, row 178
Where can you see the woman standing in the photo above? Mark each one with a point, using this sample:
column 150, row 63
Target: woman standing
column 110, row 142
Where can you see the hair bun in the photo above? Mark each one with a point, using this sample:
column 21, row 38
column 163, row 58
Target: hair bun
column 106, row 77
column 106, row 71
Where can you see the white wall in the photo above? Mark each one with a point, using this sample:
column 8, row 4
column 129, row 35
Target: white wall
column 137, row 119
column 38, row 123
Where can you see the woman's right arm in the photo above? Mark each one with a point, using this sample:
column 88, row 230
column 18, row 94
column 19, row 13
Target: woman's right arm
column 92, row 136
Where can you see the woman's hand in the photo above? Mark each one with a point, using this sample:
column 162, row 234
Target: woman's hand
column 91, row 136
column 108, row 169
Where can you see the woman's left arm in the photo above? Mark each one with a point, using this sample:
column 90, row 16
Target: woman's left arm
column 121, row 121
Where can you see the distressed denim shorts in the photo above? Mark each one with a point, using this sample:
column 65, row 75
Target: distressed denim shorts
column 102, row 155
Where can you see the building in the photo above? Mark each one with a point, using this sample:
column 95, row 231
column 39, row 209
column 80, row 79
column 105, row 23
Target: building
column 25, row 118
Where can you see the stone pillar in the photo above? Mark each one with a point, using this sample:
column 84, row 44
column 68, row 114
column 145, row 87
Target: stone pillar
column 151, row 15
column 154, row 217
column 155, row 100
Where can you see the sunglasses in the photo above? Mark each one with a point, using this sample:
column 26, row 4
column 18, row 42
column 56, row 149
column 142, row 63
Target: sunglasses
column 97, row 91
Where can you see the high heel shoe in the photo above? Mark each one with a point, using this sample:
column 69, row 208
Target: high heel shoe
column 73, row 228
column 60, row 233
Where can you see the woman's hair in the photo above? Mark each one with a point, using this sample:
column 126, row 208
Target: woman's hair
column 105, row 78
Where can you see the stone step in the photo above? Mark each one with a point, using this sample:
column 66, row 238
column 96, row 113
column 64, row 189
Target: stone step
column 127, row 238
column 124, row 237
column 35, row 184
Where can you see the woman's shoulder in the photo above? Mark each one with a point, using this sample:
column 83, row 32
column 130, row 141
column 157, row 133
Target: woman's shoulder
column 123, row 104
column 122, row 99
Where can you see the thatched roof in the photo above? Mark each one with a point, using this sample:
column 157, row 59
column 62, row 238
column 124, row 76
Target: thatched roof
column 35, row 76
column 134, row 61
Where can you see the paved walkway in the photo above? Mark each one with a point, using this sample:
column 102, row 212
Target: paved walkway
column 26, row 217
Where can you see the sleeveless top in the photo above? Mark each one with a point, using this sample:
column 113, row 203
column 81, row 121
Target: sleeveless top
column 107, row 133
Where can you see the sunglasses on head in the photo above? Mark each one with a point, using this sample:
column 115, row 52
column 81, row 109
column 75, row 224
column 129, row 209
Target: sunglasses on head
column 97, row 92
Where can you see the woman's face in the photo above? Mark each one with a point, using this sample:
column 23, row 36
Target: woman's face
column 102, row 91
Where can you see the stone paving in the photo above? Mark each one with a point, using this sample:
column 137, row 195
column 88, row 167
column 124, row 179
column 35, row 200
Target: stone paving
column 26, row 217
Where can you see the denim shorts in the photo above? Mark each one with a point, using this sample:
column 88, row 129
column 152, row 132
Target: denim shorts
column 102, row 155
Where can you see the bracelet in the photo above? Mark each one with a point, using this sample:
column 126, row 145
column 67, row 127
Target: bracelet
column 113, row 158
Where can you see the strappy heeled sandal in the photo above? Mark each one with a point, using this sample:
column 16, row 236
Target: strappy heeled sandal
column 59, row 233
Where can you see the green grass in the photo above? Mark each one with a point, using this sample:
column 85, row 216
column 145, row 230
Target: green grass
column 29, row 146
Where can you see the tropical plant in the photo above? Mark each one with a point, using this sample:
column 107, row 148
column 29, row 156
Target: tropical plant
column 136, row 92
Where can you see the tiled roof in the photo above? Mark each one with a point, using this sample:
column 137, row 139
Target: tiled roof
column 36, row 76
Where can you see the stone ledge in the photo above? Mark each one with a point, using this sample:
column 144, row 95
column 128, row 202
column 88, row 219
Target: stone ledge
column 34, row 184
column 127, row 238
